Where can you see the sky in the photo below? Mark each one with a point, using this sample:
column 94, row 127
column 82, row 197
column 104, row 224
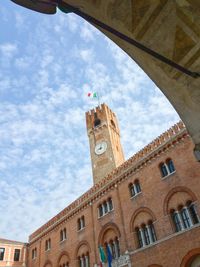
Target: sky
column 48, row 64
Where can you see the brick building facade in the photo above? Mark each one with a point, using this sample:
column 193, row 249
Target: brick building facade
column 12, row 253
column 145, row 209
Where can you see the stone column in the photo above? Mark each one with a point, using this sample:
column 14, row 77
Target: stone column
column 82, row 262
column 87, row 261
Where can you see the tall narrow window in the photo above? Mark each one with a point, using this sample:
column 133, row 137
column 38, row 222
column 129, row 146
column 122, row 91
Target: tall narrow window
column 2, row 252
column 61, row 235
column 146, row 236
column 193, row 213
column 176, row 220
column 79, row 224
column 132, row 190
column 17, row 255
column 110, row 204
column 105, row 207
column 185, row 217
column 100, row 210
column 170, row 165
column 137, row 187
column 139, row 237
column 64, row 234
column 83, row 221
column 113, row 249
column 163, row 169
column 152, row 232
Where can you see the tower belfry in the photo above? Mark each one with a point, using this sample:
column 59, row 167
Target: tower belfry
column 104, row 138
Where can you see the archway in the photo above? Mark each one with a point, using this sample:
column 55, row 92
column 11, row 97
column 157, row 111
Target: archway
column 191, row 259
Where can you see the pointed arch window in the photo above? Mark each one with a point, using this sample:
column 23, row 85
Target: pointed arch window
column 193, row 213
column 185, row 217
column 81, row 223
column 134, row 188
column 105, row 207
column 48, row 244
column 84, row 260
column 167, row 167
column 146, row 234
column 63, row 234
column 170, row 166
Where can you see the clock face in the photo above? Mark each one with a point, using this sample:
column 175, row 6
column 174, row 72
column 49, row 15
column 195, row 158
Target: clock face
column 100, row 148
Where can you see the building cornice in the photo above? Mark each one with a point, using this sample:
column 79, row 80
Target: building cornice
column 160, row 145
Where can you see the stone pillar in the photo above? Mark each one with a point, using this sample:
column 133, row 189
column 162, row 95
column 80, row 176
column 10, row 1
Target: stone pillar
column 86, row 261
column 82, row 262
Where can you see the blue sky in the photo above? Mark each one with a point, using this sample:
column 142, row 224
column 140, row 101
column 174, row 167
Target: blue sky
column 47, row 66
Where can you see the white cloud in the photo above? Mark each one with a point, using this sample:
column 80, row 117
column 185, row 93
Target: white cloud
column 43, row 100
column 8, row 49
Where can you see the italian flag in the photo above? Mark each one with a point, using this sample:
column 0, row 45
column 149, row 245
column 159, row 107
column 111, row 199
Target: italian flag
column 92, row 95
column 102, row 256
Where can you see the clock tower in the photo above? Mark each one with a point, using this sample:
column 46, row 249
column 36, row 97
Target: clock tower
column 104, row 138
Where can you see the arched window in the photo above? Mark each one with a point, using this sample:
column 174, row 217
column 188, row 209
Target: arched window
column 137, row 187
column 100, row 210
column 177, row 221
column 110, row 204
column 114, row 247
column 79, row 224
column 193, row 213
column 105, row 207
column 145, row 235
column 167, row 167
column 34, row 253
column 185, row 217
column 63, row 234
column 170, row 165
column 163, row 169
column 48, row 244
column 84, row 260
column 82, row 222
column 152, row 231
column 134, row 188
column 139, row 237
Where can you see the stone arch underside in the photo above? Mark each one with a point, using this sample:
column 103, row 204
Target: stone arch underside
column 141, row 216
column 108, row 232
column 63, row 259
column 171, row 28
column 178, row 196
